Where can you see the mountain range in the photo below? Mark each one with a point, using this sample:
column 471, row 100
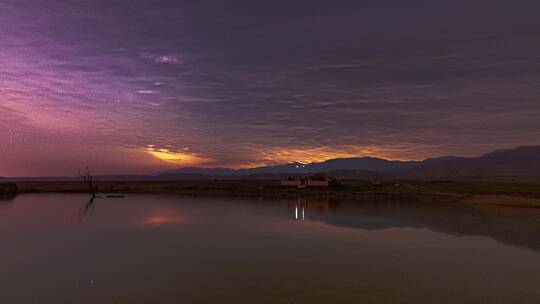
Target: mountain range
column 519, row 162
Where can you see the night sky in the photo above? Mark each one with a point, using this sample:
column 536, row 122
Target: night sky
column 147, row 86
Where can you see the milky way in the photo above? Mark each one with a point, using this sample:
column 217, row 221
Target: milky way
column 146, row 86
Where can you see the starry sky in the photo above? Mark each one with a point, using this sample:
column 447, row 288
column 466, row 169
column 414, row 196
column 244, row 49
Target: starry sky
column 127, row 86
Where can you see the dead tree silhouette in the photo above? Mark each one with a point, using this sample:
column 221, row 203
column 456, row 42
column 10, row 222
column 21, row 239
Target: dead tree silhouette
column 88, row 179
column 91, row 184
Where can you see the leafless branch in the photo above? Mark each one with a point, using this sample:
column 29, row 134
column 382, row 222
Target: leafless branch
column 91, row 184
column 88, row 179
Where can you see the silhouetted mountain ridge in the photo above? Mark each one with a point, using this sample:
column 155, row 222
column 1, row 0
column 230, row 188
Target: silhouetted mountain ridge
column 523, row 161
column 375, row 165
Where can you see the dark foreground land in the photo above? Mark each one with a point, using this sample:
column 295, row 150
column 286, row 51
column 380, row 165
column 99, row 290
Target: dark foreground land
column 518, row 194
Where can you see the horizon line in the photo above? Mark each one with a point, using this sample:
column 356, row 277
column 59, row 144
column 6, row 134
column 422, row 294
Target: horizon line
column 262, row 166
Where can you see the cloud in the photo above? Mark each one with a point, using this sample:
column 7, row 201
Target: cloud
column 350, row 65
column 182, row 158
column 168, row 59
column 164, row 59
column 263, row 83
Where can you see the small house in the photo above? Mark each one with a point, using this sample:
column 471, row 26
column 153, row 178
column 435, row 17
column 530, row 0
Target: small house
column 316, row 180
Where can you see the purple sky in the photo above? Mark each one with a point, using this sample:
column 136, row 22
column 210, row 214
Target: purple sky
column 146, row 86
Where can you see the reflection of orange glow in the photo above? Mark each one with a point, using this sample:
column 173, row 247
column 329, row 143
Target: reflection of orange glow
column 160, row 220
column 320, row 154
column 186, row 158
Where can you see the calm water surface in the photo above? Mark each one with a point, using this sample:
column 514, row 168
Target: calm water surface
column 170, row 249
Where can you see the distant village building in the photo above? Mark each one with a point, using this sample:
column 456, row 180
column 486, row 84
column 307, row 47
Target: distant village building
column 316, row 180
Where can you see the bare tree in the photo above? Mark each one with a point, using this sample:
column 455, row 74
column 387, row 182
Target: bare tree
column 88, row 179
column 91, row 184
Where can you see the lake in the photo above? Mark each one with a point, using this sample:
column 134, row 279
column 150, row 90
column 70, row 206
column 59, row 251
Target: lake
column 175, row 249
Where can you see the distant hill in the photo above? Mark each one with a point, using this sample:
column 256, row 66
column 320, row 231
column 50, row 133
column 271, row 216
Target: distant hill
column 374, row 165
column 205, row 171
column 523, row 161
column 519, row 162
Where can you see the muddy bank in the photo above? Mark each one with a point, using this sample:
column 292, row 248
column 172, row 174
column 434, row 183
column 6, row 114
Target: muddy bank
column 485, row 193
column 8, row 191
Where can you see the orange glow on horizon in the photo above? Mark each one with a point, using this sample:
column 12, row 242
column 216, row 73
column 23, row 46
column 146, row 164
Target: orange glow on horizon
column 179, row 157
column 321, row 154
column 276, row 156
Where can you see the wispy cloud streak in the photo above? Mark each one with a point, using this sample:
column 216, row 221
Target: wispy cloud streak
column 87, row 83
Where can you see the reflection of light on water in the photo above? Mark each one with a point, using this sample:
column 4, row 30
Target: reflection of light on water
column 296, row 213
column 297, row 209
column 160, row 220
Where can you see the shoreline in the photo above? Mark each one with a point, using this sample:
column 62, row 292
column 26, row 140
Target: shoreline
column 459, row 192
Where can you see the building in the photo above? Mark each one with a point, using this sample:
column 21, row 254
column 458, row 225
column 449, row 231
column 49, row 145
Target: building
column 316, row 180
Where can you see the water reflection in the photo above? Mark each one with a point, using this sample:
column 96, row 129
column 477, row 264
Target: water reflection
column 299, row 209
column 7, row 197
column 223, row 250
column 515, row 226
column 88, row 207
column 86, row 210
column 299, row 206
column 158, row 220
